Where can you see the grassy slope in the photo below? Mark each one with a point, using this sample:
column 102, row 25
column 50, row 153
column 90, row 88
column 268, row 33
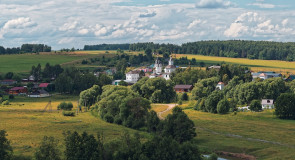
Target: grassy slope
column 26, row 125
column 215, row 133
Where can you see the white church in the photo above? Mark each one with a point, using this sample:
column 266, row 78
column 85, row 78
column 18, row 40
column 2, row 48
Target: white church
column 167, row 71
column 133, row 76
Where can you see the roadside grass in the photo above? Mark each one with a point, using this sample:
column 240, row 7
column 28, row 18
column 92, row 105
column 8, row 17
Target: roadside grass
column 264, row 65
column 26, row 124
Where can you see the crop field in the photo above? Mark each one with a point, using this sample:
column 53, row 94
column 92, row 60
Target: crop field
column 26, row 124
column 256, row 65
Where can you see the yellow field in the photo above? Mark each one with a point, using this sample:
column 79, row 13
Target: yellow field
column 256, row 65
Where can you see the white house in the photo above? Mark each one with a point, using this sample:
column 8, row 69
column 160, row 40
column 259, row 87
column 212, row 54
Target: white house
column 267, row 103
column 132, row 76
column 220, row 86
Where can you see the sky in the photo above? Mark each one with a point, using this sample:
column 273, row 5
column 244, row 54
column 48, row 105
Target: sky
column 75, row 23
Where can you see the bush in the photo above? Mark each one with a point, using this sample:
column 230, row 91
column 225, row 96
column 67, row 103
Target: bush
column 180, row 102
column 68, row 113
column 11, row 96
column 184, row 97
column 255, row 105
column 109, row 118
column 118, row 120
column 284, row 106
column 65, row 106
column 223, row 106
column 5, row 102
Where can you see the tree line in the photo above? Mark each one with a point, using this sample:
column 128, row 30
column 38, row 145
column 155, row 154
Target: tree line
column 25, row 48
column 232, row 48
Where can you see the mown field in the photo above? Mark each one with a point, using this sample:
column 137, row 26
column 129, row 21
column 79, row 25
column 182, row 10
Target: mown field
column 26, row 124
column 256, row 65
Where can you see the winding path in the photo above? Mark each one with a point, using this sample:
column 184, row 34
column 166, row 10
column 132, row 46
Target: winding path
column 170, row 106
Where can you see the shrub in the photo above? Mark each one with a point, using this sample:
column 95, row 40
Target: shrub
column 109, row 118
column 223, row 106
column 255, row 105
column 68, row 113
column 118, row 119
column 65, row 106
column 180, row 102
column 184, row 97
column 11, row 96
column 5, row 102
column 284, row 106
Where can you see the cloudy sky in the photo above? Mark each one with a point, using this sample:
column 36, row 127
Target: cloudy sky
column 74, row 23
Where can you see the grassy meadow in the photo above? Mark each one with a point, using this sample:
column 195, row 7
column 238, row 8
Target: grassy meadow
column 26, row 124
column 19, row 63
column 256, row 65
column 259, row 134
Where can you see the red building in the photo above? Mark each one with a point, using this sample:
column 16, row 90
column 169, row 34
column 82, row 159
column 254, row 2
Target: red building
column 18, row 90
column 183, row 88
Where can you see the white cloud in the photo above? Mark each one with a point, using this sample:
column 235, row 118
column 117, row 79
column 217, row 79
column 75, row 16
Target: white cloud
column 83, row 31
column 19, row 23
column 263, row 5
column 252, row 24
column 68, row 26
column 194, row 23
column 214, row 4
column 285, row 22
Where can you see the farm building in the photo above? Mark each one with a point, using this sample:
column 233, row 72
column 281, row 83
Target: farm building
column 39, row 94
column 8, row 82
column 267, row 103
column 214, row 67
column 18, row 90
column 265, row 75
column 43, row 85
column 183, row 88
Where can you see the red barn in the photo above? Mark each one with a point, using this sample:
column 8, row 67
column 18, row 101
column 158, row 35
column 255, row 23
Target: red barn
column 18, row 90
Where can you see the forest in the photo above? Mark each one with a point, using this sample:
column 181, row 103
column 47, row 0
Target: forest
column 25, row 48
column 266, row 50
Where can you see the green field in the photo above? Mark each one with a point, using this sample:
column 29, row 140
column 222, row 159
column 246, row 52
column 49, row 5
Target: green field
column 26, row 124
column 258, row 134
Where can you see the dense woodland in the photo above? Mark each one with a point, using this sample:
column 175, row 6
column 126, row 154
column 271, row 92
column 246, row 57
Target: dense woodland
column 232, row 48
column 25, row 48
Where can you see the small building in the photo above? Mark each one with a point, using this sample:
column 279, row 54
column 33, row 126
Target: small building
column 8, row 82
column 39, row 94
column 265, row 75
column 183, row 88
column 220, row 86
column 116, row 82
column 18, row 90
column 214, row 67
column 267, row 104
column 43, row 85
column 132, row 76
